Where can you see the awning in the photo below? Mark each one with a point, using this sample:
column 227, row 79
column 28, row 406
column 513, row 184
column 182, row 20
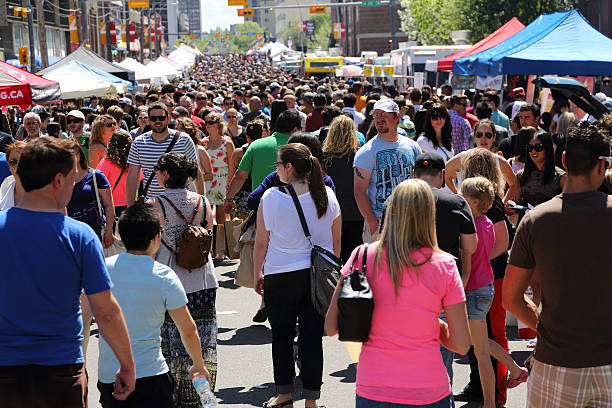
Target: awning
column 19, row 87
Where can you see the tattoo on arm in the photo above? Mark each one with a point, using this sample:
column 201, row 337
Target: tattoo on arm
column 358, row 173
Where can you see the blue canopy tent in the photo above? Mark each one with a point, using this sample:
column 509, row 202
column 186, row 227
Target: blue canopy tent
column 562, row 43
column 96, row 73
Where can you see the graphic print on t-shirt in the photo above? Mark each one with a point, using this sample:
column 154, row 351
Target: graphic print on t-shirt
column 392, row 167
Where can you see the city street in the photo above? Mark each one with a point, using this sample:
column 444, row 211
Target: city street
column 245, row 377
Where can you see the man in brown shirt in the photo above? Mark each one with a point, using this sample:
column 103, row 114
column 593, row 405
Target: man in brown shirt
column 565, row 243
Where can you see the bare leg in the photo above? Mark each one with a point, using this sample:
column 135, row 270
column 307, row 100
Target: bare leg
column 503, row 357
column 87, row 316
column 480, row 340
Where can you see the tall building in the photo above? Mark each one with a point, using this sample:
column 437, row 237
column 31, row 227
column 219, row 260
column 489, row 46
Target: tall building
column 192, row 10
column 276, row 20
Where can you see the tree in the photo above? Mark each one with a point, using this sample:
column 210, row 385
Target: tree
column 430, row 21
column 241, row 43
column 320, row 37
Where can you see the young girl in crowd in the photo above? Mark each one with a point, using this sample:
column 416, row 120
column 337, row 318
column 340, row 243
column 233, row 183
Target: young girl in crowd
column 479, row 192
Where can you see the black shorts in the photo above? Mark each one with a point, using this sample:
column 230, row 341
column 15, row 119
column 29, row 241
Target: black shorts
column 150, row 392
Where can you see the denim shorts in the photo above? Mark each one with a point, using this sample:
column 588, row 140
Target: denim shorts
column 479, row 302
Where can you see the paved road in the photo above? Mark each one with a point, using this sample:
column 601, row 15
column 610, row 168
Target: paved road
column 245, row 364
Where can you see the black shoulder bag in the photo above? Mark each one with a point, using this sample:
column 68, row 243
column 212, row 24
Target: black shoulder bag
column 355, row 302
column 143, row 194
column 324, row 265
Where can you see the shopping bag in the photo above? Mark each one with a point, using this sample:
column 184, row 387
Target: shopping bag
column 220, row 244
column 230, row 241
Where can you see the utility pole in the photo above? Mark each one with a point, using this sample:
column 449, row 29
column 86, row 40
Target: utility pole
column 42, row 37
column 84, row 23
column 109, row 52
column 393, row 29
column 158, row 33
column 141, row 36
column 126, row 10
column 31, row 38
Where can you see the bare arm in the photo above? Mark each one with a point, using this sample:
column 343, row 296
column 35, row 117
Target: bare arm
column 262, row 238
column 234, row 162
column 106, row 196
column 455, row 335
column 469, row 243
column 360, row 190
column 199, row 182
column 205, row 164
column 209, row 215
column 191, row 340
column 235, row 184
column 113, row 329
column 96, row 152
column 131, row 184
column 501, row 239
column 513, row 192
column 450, row 173
column 337, row 234
column 514, row 300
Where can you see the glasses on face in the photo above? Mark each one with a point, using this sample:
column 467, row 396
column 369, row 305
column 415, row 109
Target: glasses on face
column 437, row 117
column 228, row 104
column 13, row 162
column 110, row 124
column 157, row 118
column 200, row 99
column 379, row 115
column 606, row 158
column 278, row 163
column 232, row 117
column 211, row 122
column 488, row 135
column 537, row 147
column 75, row 120
column 143, row 117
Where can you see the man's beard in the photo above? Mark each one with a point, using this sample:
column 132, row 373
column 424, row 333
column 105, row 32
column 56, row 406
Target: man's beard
column 162, row 130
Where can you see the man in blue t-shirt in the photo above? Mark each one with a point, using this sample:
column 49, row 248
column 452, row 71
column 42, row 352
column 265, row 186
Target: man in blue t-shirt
column 48, row 259
column 380, row 165
column 146, row 289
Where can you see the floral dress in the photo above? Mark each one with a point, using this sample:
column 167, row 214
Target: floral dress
column 216, row 188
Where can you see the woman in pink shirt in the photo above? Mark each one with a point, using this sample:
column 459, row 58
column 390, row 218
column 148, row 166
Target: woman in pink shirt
column 412, row 280
column 114, row 166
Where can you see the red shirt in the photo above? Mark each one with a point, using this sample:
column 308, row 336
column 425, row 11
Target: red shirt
column 198, row 121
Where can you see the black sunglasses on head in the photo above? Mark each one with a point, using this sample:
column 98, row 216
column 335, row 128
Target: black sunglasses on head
column 110, row 124
column 211, row 122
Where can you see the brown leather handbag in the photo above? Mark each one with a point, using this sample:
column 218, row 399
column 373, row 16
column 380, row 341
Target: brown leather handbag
column 195, row 244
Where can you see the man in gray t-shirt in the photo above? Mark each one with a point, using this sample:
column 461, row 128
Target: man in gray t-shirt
column 380, row 165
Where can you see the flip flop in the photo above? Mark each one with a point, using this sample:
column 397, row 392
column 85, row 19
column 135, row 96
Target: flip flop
column 279, row 405
column 515, row 382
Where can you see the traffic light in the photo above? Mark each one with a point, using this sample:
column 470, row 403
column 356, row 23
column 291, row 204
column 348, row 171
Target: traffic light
column 23, row 55
column 317, row 9
column 245, row 12
column 237, row 2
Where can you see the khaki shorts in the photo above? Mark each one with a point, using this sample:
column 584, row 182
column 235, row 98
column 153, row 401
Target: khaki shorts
column 367, row 236
column 562, row 387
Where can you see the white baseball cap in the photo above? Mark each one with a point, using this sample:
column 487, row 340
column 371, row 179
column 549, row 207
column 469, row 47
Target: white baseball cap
column 77, row 114
column 386, row 105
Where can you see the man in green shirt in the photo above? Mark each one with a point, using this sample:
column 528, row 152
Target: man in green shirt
column 75, row 121
column 258, row 160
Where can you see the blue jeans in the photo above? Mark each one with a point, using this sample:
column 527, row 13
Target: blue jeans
column 361, row 402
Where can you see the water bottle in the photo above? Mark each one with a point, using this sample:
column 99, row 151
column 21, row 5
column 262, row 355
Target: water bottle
column 202, row 387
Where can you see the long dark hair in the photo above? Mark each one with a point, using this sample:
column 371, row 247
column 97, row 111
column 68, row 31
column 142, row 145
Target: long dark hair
column 438, row 110
column 119, row 148
column 522, row 140
column 549, row 168
column 179, row 168
column 307, row 166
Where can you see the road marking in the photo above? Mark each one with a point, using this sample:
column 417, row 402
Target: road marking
column 228, row 312
column 353, row 349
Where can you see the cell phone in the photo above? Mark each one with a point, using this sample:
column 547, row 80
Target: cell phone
column 518, row 207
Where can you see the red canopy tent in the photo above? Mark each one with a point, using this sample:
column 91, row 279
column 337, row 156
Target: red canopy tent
column 502, row 34
column 19, row 87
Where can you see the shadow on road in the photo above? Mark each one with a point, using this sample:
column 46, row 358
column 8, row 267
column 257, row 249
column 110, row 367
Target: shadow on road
column 349, row 374
column 253, row 335
column 255, row 396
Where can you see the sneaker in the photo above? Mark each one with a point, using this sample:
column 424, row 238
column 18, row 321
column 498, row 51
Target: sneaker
column 261, row 316
column 468, row 395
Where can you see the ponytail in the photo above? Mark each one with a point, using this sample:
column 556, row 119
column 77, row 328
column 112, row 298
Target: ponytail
column 317, row 187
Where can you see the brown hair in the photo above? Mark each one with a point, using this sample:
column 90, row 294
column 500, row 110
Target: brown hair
column 119, row 148
column 42, row 159
column 96, row 129
column 18, row 145
column 116, row 112
column 78, row 151
column 190, row 128
column 306, row 166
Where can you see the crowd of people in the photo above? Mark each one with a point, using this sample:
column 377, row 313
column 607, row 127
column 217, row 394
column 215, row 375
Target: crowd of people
column 454, row 207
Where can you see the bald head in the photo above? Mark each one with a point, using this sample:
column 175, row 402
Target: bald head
column 255, row 103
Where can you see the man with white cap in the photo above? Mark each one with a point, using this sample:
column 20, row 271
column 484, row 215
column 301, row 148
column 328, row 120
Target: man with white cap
column 75, row 121
column 380, row 165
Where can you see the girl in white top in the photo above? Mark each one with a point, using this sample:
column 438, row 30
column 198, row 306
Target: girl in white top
column 11, row 190
column 437, row 133
column 283, row 252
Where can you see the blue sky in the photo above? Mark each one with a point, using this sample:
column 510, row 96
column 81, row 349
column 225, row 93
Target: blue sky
column 216, row 13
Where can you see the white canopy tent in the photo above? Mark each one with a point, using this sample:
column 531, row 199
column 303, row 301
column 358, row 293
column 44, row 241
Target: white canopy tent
column 164, row 67
column 274, row 49
column 75, row 85
column 141, row 71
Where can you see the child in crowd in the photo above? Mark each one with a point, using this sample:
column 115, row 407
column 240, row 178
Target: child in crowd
column 478, row 283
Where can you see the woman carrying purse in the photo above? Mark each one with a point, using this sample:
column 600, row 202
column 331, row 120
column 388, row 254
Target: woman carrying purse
column 411, row 282
column 282, row 251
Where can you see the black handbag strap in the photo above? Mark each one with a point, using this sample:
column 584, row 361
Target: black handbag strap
column 150, row 179
column 298, row 207
column 119, row 178
column 364, row 259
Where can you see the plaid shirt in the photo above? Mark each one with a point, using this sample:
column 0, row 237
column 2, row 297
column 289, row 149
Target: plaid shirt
column 462, row 132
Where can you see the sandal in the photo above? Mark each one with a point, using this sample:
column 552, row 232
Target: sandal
column 515, row 382
column 279, row 405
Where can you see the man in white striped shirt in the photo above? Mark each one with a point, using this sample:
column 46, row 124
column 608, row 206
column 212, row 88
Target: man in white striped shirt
column 147, row 149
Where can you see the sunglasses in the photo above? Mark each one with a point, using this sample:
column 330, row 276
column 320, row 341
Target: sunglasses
column 279, row 163
column 437, row 117
column 143, row 117
column 157, row 118
column 211, row 122
column 232, row 117
column 538, row 147
column 69, row 121
column 110, row 124
column 200, row 99
column 606, row 158
column 227, row 104
column 13, row 162
column 478, row 135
